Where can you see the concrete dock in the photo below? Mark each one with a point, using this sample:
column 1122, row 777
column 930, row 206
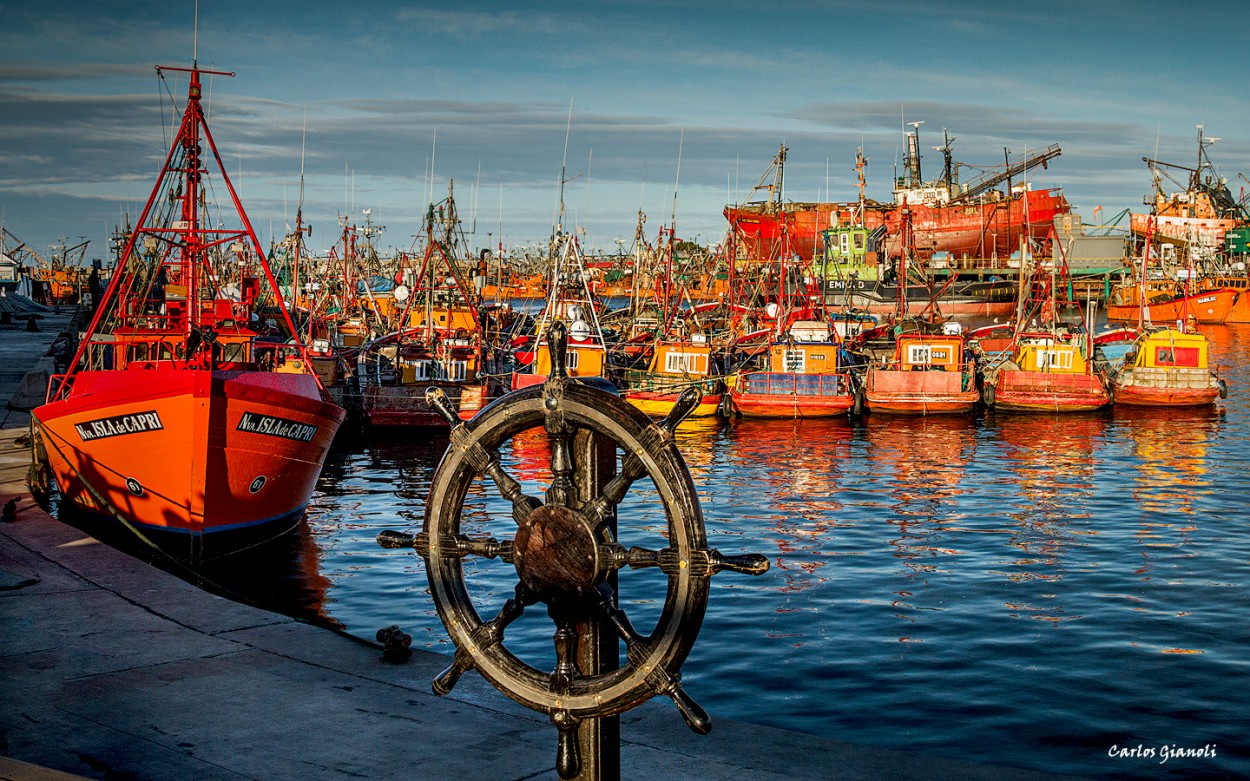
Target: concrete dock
column 114, row 669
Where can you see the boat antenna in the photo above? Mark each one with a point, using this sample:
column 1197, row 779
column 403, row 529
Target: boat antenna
column 477, row 190
column 303, row 145
column 590, row 161
column 195, row 37
column 568, row 128
column 680, row 143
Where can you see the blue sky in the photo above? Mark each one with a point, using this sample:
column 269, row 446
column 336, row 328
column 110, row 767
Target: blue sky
column 480, row 92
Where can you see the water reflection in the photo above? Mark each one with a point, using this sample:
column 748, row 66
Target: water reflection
column 1052, row 462
column 788, row 479
column 287, row 572
column 1171, row 448
column 1172, row 483
column 921, row 461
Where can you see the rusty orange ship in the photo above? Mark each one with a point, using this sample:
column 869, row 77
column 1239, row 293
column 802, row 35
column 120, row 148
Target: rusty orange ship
column 973, row 219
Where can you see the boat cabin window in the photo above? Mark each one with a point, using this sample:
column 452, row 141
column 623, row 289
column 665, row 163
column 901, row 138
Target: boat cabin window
column 420, row 370
column 234, row 352
column 1054, row 359
column 1176, row 356
column 930, row 354
column 796, row 361
column 685, row 363
column 457, row 371
column 155, row 351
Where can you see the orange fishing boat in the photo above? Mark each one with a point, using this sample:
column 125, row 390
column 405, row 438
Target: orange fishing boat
column 805, row 377
column 1166, row 301
column 173, row 418
column 675, row 366
column 928, row 374
column 570, row 303
column 1049, row 369
column 441, row 343
column 1047, row 373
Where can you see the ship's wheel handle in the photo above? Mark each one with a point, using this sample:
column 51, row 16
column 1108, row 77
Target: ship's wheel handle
column 564, row 552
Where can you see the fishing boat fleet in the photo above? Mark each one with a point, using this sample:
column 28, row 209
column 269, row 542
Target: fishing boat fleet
column 213, row 374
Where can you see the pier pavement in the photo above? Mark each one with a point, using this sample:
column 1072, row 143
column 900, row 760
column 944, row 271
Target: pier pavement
column 113, row 669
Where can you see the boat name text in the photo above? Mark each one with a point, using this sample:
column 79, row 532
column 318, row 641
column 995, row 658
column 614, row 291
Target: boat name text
column 277, row 427
column 134, row 423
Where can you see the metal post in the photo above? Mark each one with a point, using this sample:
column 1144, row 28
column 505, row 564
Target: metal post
column 598, row 649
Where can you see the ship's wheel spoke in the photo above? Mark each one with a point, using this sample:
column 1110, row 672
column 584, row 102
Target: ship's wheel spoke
column 510, row 490
column 487, row 635
column 698, row 562
column 449, row 545
column 563, row 491
column 638, row 650
column 601, row 508
column 483, row 460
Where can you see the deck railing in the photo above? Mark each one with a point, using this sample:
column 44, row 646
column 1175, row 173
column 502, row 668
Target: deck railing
column 789, row 384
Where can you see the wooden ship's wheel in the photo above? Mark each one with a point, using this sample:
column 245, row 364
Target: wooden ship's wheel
column 566, row 553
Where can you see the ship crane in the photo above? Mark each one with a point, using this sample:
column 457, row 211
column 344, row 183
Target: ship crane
column 772, row 181
column 22, row 252
column 1016, row 166
column 1222, row 199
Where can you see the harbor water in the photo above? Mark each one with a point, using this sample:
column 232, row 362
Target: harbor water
column 1064, row 593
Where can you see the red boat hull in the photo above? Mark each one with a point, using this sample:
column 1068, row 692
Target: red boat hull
column 390, row 406
column 975, row 229
column 1210, row 307
column 918, row 392
column 1136, row 396
column 1027, row 391
column 190, row 452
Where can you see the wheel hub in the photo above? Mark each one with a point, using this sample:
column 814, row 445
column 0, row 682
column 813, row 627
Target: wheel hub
column 556, row 554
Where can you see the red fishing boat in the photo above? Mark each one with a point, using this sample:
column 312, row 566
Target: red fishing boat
column 928, row 373
column 1155, row 297
column 806, row 376
column 1046, row 373
column 967, row 220
column 441, row 342
column 1050, row 364
column 1169, row 301
column 175, row 419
